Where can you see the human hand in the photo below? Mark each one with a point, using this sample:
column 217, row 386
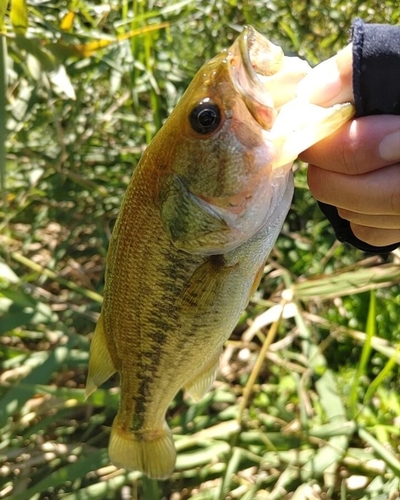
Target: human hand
column 357, row 169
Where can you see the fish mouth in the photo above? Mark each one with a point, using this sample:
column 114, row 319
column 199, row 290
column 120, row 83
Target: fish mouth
column 264, row 77
column 259, row 55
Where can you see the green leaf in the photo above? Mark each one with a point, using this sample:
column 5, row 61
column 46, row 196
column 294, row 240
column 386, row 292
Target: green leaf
column 7, row 274
column 365, row 353
column 381, row 451
column 68, row 473
column 61, row 82
column 3, row 10
column 103, row 488
column 3, row 111
column 19, row 308
column 14, row 399
column 35, row 47
column 19, row 16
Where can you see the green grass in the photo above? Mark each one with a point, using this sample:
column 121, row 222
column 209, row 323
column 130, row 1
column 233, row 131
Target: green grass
column 307, row 402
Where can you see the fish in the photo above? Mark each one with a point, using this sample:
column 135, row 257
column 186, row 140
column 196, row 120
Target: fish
column 200, row 216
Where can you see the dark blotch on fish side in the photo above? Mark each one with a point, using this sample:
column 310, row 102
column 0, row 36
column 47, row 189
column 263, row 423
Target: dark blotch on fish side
column 217, row 261
column 159, row 336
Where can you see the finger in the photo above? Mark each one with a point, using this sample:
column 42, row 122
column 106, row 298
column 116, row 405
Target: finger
column 376, row 237
column 331, row 81
column 375, row 193
column 361, row 145
column 377, row 221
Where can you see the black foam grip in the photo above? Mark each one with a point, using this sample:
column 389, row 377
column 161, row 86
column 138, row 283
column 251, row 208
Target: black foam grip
column 376, row 88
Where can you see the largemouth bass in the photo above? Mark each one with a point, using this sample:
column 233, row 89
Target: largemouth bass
column 199, row 218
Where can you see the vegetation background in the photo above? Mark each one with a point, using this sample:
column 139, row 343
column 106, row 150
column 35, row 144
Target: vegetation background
column 307, row 403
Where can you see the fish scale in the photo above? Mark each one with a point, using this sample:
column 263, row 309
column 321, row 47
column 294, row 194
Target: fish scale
column 201, row 214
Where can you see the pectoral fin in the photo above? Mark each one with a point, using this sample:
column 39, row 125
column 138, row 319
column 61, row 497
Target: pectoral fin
column 205, row 285
column 101, row 366
column 300, row 124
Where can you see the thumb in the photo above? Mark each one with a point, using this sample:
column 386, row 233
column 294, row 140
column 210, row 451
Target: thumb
column 330, row 82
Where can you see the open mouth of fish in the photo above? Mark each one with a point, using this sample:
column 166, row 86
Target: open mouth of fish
column 263, row 75
column 267, row 80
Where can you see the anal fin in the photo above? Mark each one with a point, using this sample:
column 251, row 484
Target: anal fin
column 101, row 365
column 201, row 383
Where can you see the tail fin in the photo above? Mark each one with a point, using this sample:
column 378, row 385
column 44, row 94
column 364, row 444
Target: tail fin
column 149, row 451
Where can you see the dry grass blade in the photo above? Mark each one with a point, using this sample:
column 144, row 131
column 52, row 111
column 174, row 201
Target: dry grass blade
column 347, row 283
column 52, row 275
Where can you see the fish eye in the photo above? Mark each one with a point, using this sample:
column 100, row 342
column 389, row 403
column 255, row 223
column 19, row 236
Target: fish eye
column 205, row 117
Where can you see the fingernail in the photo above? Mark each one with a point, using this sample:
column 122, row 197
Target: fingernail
column 389, row 148
column 322, row 84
